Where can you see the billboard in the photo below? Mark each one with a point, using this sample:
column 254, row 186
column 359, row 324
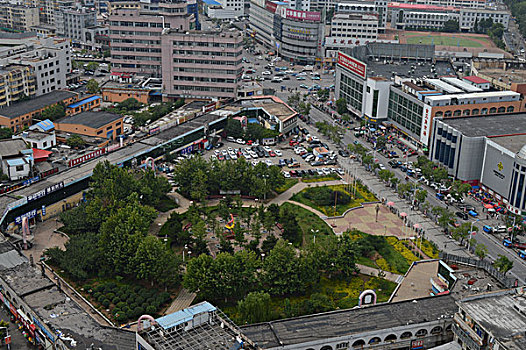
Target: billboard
column 426, row 125
column 357, row 67
column 301, row 15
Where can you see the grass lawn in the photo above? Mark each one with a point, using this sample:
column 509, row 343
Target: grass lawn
column 451, row 40
column 288, row 184
column 309, row 221
column 342, row 293
column 320, row 178
column 306, row 197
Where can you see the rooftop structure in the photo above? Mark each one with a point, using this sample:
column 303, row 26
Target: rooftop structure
column 199, row 327
column 37, row 103
column 498, row 317
column 93, row 120
column 443, row 86
column 490, row 126
column 475, row 79
column 49, row 311
column 461, row 84
column 349, row 323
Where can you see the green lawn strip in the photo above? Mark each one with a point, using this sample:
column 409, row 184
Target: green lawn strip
column 444, row 40
column 309, row 221
column 362, row 195
column 288, row 184
column 320, row 178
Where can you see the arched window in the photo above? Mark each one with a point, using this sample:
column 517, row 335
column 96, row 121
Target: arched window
column 492, row 110
column 484, row 111
column 375, row 340
column 358, row 344
column 406, row 335
column 510, row 109
column 449, row 328
column 475, row 111
column 501, row 109
column 326, row 347
column 390, row 337
column 447, row 114
column 421, row 332
column 466, row 112
column 439, row 114
column 457, row 113
column 436, row 330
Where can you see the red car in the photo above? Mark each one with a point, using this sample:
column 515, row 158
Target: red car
column 272, row 154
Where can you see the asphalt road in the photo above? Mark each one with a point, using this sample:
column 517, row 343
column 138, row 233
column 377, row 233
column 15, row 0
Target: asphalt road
column 493, row 243
column 18, row 342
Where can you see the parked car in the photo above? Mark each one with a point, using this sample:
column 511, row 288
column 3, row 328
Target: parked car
column 462, row 215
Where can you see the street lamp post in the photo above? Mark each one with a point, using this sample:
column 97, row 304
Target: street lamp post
column 314, row 232
column 471, row 232
column 377, row 209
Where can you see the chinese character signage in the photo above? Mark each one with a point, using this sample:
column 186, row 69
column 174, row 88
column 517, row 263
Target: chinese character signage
column 87, row 157
column 45, row 191
column 426, row 125
column 30, row 214
column 302, row 15
column 357, row 67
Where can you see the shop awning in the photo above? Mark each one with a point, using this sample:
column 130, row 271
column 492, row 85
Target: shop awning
column 40, row 155
column 488, row 206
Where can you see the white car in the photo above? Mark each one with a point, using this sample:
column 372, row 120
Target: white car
column 301, row 74
column 267, row 72
column 267, row 148
column 224, row 152
column 240, row 141
column 286, row 174
column 268, row 162
column 276, row 80
column 278, row 153
column 216, row 152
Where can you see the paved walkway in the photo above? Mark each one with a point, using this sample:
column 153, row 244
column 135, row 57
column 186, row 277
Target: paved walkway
column 371, row 271
column 183, row 300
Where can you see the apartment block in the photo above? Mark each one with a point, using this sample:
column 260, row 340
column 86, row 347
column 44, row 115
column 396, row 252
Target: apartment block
column 135, row 36
column 16, row 82
column 199, row 64
column 18, row 17
column 50, row 60
column 352, row 29
column 71, row 22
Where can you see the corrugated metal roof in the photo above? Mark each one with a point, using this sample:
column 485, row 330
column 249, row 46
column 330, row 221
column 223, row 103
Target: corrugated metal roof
column 84, row 101
column 172, row 320
column 45, row 125
column 11, row 259
column 15, row 162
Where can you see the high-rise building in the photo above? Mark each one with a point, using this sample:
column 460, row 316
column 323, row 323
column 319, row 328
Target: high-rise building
column 70, row 22
column 18, row 17
column 16, row 82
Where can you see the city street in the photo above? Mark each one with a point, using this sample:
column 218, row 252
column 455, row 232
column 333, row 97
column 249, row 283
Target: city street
column 18, row 342
column 432, row 231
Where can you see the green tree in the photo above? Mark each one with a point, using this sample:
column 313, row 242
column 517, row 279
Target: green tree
column 341, row 106
column 92, row 87
column 285, row 273
column 154, row 262
column 92, row 66
column 54, row 112
column 503, row 264
column 255, row 308
column 323, row 94
column 5, row 133
column 129, row 104
column 201, row 278
column 481, row 251
column 75, row 141
column 304, row 108
column 291, row 227
column 420, row 196
column 233, row 128
column 294, row 100
column 459, row 189
column 451, row 26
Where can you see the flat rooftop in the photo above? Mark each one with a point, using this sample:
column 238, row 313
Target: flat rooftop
column 403, row 68
column 494, row 125
column 272, row 105
column 416, row 283
column 502, row 313
column 63, row 315
column 351, row 321
column 513, row 143
column 93, row 120
column 28, row 106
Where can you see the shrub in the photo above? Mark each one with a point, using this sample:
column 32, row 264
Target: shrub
column 138, row 311
column 151, row 310
column 123, row 317
column 110, row 295
column 96, row 295
column 120, row 305
column 106, row 303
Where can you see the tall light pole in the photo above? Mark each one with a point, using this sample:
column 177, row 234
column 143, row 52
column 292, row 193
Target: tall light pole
column 314, row 233
column 471, row 232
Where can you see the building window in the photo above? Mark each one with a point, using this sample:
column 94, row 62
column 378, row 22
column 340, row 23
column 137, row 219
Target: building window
column 511, row 109
column 19, row 168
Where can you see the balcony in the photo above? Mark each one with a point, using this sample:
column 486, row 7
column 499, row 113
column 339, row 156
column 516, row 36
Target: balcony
column 468, row 332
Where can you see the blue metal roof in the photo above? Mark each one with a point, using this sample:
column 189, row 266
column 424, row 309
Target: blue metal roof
column 211, row 2
column 172, row 320
column 15, row 162
column 84, row 101
column 46, row 125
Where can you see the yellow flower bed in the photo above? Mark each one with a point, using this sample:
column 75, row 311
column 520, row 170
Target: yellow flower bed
column 382, row 264
column 402, row 249
column 428, row 248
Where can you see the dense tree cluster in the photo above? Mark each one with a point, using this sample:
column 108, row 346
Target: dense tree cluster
column 198, row 178
column 110, row 231
column 253, row 131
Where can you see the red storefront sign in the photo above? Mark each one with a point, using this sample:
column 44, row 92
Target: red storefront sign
column 352, row 64
column 86, row 157
column 303, row 15
column 271, row 6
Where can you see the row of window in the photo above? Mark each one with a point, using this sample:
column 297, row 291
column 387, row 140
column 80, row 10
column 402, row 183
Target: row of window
column 207, row 53
column 137, row 58
column 352, row 92
column 207, row 44
column 475, row 111
column 136, row 41
column 202, row 88
column 213, row 62
column 204, row 70
column 135, row 49
column 136, row 24
column 202, row 79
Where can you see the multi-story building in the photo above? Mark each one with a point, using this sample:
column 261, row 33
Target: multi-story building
column 456, row 3
column 235, row 8
column 494, row 320
column 351, row 29
column 470, row 16
column 376, row 7
column 415, row 16
column 199, row 64
column 136, row 36
column 163, row 44
column 16, row 82
column 413, row 105
column 18, row 17
column 71, row 22
column 51, row 61
column 295, row 35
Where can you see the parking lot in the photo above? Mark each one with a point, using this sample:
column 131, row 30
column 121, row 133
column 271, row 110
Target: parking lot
column 295, row 159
